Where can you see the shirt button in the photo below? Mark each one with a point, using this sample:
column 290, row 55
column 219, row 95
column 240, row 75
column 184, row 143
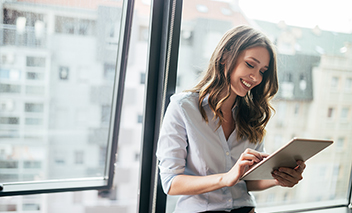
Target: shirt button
column 229, row 200
column 227, row 153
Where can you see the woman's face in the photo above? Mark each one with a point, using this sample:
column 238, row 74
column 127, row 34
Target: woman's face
column 248, row 72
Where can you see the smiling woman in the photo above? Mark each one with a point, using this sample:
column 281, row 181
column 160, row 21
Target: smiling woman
column 303, row 99
column 192, row 159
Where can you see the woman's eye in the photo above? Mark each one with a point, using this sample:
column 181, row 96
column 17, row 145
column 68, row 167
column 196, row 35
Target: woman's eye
column 261, row 72
column 249, row 65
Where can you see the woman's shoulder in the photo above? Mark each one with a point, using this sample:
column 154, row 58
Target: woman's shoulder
column 183, row 98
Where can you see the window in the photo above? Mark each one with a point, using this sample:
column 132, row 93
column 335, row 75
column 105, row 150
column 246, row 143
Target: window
column 74, row 26
column 142, row 77
column 10, row 74
column 334, row 82
column 79, row 157
column 140, row 119
column 296, row 110
column 340, row 143
column 45, row 126
column 65, row 130
column 105, row 114
column 331, row 112
column 35, row 61
column 109, row 72
column 34, row 76
column 64, row 73
column 33, row 107
column 345, row 113
column 348, row 85
column 57, row 104
column 9, row 120
column 10, row 88
column 35, row 90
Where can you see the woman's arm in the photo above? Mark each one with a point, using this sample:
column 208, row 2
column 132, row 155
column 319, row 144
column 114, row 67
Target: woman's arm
column 258, row 185
column 192, row 185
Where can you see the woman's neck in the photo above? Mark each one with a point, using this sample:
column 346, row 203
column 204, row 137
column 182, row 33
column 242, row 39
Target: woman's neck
column 229, row 103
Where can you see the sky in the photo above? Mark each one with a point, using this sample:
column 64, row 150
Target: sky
column 332, row 15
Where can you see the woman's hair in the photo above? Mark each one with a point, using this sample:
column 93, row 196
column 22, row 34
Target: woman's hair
column 253, row 110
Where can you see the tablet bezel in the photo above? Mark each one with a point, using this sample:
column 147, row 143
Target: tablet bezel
column 286, row 156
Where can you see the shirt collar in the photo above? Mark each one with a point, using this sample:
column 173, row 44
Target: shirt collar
column 206, row 102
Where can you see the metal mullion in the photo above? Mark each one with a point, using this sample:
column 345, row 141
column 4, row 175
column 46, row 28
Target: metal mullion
column 161, row 81
column 121, row 66
column 349, row 196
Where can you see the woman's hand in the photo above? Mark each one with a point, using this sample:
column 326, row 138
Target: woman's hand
column 288, row 177
column 246, row 161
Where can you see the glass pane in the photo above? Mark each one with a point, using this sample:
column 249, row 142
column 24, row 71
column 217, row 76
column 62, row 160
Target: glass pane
column 315, row 72
column 55, row 101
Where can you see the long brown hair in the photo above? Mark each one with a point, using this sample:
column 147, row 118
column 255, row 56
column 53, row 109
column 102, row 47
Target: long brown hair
column 253, row 110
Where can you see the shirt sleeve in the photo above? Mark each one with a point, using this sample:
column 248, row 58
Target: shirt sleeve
column 172, row 145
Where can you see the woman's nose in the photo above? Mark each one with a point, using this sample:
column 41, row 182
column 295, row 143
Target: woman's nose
column 255, row 77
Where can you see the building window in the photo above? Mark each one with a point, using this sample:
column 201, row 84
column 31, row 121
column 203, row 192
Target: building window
column 79, row 157
column 8, row 164
column 10, row 88
column 288, row 77
column 34, row 76
column 35, row 61
column 334, row 82
column 34, row 121
column 35, row 90
column 143, row 33
column 348, row 85
column 344, row 113
column 296, row 110
column 330, row 112
column 142, row 77
column 8, row 58
column 105, row 114
column 202, row 8
column 74, row 26
column 109, row 72
column 10, row 120
column 32, row 164
column 33, row 107
column 8, row 74
column 30, row 207
column 64, row 73
column 340, row 143
column 140, row 119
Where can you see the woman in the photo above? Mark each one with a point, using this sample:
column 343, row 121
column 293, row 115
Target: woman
column 212, row 134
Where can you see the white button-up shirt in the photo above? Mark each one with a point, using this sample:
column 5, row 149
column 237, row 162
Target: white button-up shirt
column 188, row 145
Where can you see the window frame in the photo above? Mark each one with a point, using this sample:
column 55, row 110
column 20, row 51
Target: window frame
column 161, row 76
column 106, row 181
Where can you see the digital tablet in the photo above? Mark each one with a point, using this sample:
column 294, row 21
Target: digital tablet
column 286, row 156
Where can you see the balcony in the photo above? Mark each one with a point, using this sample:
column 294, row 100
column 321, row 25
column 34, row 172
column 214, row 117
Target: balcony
column 10, row 35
